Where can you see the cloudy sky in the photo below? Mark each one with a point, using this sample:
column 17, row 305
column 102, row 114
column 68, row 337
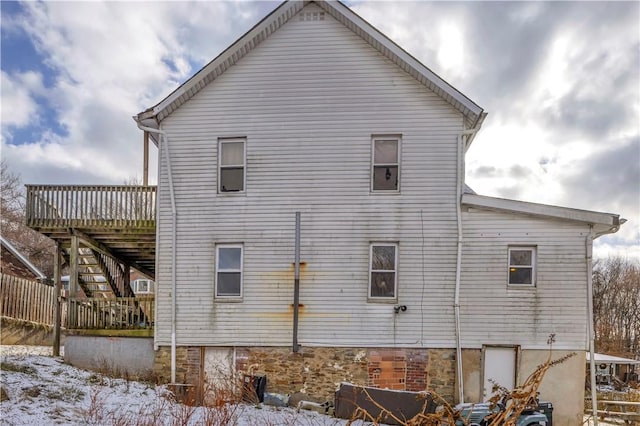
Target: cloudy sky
column 560, row 81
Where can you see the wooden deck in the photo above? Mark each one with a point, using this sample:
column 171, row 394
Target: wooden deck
column 117, row 221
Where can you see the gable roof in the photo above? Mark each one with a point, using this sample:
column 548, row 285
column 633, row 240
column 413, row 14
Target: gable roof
column 21, row 258
column 151, row 117
column 603, row 223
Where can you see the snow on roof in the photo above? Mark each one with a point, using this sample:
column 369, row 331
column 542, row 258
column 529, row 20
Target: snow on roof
column 610, row 359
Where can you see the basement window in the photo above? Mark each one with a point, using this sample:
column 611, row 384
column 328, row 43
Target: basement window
column 383, row 276
column 229, row 261
column 385, row 167
column 231, row 160
column 522, row 261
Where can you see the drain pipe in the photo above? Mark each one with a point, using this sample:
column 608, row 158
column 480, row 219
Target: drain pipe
column 592, row 364
column 174, row 222
column 456, row 300
column 296, row 286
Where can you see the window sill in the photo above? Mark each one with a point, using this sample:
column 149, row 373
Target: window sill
column 385, row 301
column 232, row 193
column 219, row 299
column 521, row 287
column 381, row 192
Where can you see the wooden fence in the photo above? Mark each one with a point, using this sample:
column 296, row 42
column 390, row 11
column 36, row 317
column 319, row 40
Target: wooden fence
column 121, row 313
column 27, row 300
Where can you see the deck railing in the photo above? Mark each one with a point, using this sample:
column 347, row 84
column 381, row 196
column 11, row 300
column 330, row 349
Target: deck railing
column 87, row 206
column 122, row 313
column 28, row 300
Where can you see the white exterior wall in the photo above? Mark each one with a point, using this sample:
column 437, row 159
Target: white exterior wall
column 308, row 100
column 493, row 313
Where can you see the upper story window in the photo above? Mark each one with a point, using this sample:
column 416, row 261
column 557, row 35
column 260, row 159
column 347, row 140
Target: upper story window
column 231, row 164
column 383, row 271
column 522, row 266
column 385, row 167
column 229, row 260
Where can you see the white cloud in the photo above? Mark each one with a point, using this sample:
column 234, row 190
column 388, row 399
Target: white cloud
column 559, row 80
column 19, row 108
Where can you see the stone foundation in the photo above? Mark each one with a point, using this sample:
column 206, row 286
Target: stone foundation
column 317, row 372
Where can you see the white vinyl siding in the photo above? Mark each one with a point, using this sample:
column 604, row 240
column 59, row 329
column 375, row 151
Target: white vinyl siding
column 493, row 312
column 308, row 101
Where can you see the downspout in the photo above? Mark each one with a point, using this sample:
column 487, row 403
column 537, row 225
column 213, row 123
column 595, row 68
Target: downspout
column 456, row 300
column 174, row 222
column 590, row 326
column 592, row 364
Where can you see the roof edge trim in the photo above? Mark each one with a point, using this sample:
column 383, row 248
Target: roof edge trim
column 543, row 210
column 22, row 258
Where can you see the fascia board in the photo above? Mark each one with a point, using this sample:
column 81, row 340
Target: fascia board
column 542, row 210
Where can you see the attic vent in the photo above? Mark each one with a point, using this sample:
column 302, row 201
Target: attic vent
column 312, row 16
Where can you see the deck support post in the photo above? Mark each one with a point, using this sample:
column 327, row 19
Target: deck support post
column 126, row 268
column 73, row 277
column 57, row 281
column 73, row 267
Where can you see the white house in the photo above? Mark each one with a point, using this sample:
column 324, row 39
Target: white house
column 406, row 278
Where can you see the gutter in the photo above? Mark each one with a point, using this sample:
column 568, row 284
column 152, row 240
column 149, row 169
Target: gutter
column 174, row 222
column 463, row 145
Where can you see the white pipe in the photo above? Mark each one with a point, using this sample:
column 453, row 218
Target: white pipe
column 592, row 364
column 174, row 215
column 456, row 300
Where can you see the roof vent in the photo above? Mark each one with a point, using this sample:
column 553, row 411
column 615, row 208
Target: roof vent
column 312, row 16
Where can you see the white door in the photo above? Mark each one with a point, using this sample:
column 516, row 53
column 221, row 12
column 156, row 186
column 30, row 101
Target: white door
column 499, row 367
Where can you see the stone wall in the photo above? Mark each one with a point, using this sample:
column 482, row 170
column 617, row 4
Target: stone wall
column 18, row 332
column 441, row 373
column 317, row 372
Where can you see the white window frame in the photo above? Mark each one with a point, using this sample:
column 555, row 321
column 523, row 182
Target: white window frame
column 398, row 139
column 136, row 286
column 218, row 270
column 395, row 271
column 532, row 266
column 222, row 141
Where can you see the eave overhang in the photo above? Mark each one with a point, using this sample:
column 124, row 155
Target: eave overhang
column 282, row 14
column 26, row 262
column 603, row 223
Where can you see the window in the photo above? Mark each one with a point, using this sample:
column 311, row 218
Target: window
column 383, row 270
column 142, row 286
column 229, row 270
column 385, row 174
column 231, row 159
column 522, row 262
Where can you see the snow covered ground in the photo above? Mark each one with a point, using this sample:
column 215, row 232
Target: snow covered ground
column 43, row 390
